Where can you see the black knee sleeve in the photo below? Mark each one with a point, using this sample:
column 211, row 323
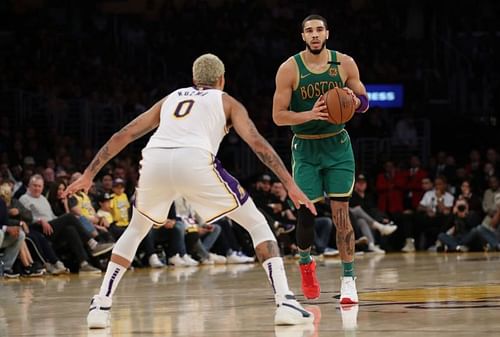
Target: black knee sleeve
column 305, row 228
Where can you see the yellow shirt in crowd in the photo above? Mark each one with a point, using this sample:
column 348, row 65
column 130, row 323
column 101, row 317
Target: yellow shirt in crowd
column 119, row 209
column 85, row 204
column 106, row 215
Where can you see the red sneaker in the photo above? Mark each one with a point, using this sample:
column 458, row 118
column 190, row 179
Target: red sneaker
column 310, row 284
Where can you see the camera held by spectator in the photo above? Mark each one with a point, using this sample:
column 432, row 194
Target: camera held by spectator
column 461, row 208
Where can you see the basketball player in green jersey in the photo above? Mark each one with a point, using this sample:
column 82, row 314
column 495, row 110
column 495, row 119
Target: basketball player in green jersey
column 323, row 161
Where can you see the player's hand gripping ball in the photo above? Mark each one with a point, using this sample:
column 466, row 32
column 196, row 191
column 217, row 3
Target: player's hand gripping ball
column 340, row 105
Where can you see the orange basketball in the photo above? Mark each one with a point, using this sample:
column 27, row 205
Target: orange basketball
column 339, row 105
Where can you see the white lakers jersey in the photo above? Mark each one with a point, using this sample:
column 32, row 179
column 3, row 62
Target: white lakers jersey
column 191, row 118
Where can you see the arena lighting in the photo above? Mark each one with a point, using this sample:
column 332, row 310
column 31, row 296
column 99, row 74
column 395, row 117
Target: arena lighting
column 385, row 95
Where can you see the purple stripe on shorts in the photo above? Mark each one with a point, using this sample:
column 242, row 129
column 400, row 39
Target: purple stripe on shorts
column 239, row 192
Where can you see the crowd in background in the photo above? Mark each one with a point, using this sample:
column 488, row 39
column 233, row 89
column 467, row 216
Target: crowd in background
column 400, row 206
column 68, row 55
column 45, row 231
column 403, row 206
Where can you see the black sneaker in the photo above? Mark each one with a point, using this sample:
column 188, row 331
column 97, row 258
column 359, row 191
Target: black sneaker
column 32, row 271
column 9, row 273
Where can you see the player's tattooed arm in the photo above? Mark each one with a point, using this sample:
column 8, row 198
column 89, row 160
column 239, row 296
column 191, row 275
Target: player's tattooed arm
column 237, row 115
column 244, row 126
column 102, row 157
column 268, row 155
column 137, row 128
column 143, row 124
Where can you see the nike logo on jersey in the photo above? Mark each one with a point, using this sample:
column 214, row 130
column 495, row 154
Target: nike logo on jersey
column 304, row 75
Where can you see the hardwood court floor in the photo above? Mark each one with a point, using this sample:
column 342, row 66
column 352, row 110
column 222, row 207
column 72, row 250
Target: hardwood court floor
column 426, row 294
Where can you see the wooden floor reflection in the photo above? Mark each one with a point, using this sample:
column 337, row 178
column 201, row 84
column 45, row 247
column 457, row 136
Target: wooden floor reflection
column 401, row 295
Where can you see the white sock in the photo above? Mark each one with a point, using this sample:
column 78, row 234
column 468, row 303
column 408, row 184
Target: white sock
column 276, row 275
column 113, row 275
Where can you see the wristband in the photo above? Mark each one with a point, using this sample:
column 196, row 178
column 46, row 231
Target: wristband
column 363, row 106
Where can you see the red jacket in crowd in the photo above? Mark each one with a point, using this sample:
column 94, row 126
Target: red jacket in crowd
column 390, row 189
column 413, row 179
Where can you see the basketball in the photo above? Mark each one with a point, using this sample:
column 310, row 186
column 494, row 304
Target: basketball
column 340, row 105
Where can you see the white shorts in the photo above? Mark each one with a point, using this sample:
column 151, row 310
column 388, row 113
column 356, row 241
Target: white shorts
column 195, row 174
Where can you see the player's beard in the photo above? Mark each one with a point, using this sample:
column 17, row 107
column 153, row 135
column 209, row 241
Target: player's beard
column 316, row 51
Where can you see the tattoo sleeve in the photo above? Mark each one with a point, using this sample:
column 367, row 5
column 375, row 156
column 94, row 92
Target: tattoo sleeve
column 268, row 155
column 345, row 243
column 341, row 219
column 100, row 159
column 136, row 132
column 130, row 132
column 345, row 234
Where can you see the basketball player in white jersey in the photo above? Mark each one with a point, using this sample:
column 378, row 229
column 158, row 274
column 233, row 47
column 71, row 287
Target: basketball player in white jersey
column 179, row 160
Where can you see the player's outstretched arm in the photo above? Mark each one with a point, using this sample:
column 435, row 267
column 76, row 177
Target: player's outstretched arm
column 246, row 129
column 137, row 128
column 285, row 81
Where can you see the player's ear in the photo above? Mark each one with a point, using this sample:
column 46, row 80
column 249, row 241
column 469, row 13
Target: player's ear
column 327, row 34
column 303, row 37
column 221, row 82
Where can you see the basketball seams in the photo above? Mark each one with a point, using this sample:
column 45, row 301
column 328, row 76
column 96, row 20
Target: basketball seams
column 325, row 99
column 340, row 107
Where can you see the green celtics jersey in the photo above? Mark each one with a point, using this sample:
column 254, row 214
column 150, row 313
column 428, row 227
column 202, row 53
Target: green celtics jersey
column 312, row 85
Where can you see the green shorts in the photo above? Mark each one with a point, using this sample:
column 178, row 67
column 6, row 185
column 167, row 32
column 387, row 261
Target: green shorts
column 324, row 166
